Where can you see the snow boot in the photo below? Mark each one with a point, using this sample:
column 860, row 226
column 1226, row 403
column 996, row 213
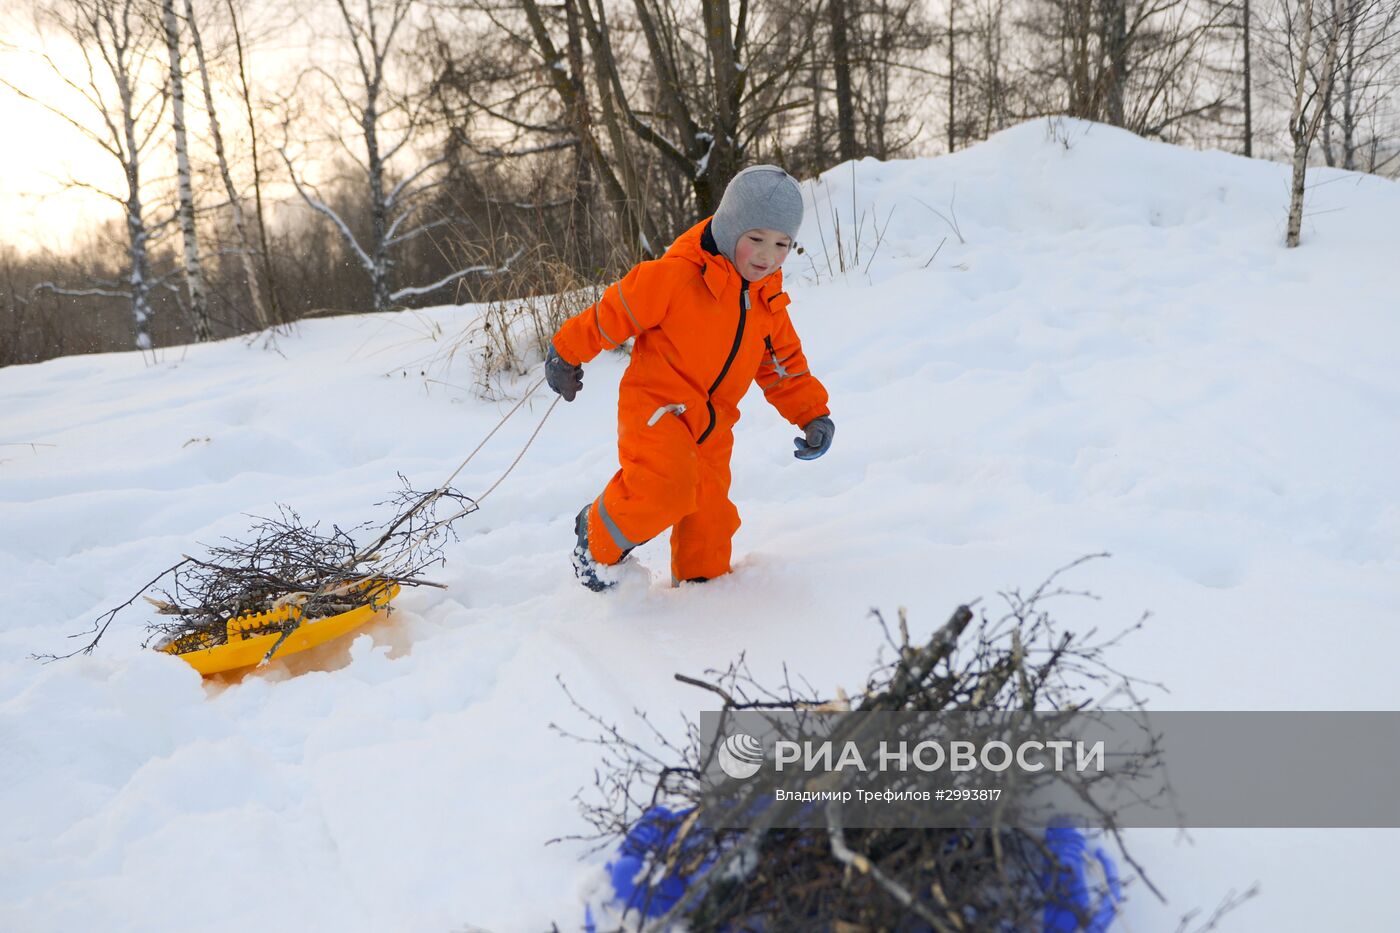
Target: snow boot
column 597, row 577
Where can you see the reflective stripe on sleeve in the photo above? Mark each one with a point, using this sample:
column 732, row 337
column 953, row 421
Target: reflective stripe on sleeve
column 783, row 378
column 628, row 308
column 598, row 322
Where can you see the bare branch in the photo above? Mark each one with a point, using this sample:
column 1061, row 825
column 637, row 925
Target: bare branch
column 454, row 276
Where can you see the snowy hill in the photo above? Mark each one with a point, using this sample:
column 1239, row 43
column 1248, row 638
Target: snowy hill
column 1121, row 356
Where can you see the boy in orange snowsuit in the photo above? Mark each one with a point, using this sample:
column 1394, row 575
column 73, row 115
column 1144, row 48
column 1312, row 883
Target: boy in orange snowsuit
column 709, row 317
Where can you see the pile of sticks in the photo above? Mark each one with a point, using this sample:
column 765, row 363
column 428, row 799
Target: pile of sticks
column 845, row 879
column 285, row 561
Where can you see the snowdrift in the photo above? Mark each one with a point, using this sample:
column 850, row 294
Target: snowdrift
column 1104, row 347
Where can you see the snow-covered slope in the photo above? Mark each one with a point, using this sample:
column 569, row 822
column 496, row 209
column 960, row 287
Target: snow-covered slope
column 1121, row 356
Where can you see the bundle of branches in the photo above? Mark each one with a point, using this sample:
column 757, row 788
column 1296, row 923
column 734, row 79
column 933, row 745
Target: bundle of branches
column 287, row 562
column 845, row 879
column 284, row 561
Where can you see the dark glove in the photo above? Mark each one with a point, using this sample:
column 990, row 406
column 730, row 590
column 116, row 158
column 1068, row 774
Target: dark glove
column 564, row 378
column 819, row 433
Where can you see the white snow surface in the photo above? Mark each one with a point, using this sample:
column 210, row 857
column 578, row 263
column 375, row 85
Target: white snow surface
column 1120, row 357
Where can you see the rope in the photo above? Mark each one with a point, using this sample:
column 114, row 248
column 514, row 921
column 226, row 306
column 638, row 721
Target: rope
column 533, row 435
column 523, row 399
column 476, row 503
column 437, row 493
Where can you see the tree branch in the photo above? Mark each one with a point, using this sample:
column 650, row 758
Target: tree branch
column 452, row 277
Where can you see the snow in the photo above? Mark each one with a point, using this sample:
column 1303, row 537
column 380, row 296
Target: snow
column 703, row 164
column 1121, row 356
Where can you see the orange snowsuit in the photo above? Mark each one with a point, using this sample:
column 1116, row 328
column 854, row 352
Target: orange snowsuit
column 703, row 334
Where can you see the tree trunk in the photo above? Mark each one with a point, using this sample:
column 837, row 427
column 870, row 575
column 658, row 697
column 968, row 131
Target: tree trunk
column 240, row 225
column 194, row 270
column 1328, row 155
column 720, row 163
column 952, row 77
column 644, row 238
column 268, row 272
column 572, row 93
column 580, row 118
column 379, row 221
column 1349, row 117
column 137, row 234
column 1114, row 31
column 841, row 65
column 1303, row 126
column 1084, row 94
column 1296, row 190
column 1248, row 102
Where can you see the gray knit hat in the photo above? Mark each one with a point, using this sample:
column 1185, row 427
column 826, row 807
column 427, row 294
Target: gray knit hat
column 759, row 197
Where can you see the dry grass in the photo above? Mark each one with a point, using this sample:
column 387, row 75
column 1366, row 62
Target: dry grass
column 519, row 311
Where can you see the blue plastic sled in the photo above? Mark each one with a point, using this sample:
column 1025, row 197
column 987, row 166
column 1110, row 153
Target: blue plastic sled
column 1072, row 888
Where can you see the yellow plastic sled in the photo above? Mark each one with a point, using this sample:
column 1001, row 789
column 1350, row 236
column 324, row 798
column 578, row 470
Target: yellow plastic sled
column 250, row 637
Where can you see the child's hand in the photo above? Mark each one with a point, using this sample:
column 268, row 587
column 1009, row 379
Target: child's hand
column 819, row 432
column 564, row 378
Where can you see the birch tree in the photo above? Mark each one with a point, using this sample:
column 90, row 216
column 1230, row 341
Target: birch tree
column 1310, row 34
column 1367, row 79
column 189, row 236
column 388, row 123
column 117, row 42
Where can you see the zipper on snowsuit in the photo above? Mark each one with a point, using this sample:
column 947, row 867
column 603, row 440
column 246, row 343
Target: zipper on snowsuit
column 733, row 352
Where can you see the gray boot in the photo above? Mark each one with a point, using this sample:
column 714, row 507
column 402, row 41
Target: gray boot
column 585, row 567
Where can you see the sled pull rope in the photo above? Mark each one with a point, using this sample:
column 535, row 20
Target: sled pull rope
column 534, row 434
column 476, row 503
column 523, row 399
column 363, row 553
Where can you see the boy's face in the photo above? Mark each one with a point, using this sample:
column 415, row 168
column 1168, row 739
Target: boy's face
column 760, row 252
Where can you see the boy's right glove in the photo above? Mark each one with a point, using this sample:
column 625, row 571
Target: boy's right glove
column 563, row 377
column 816, row 440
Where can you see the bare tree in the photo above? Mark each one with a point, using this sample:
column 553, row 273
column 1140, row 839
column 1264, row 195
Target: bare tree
column 1309, row 35
column 659, row 102
column 578, row 124
column 235, row 200
column 952, row 74
column 389, row 123
column 116, row 41
column 716, row 88
column 1368, row 76
column 992, row 105
column 246, row 95
column 841, row 68
column 892, row 88
column 865, row 86
column 1248, row 80
column 194, row 268
column 1139, row 64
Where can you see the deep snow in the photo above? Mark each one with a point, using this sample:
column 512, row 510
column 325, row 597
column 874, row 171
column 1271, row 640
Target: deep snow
column 1121, row 356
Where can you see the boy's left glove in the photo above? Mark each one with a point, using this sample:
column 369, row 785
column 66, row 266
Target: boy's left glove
column 563, row 377
column 819, row 432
